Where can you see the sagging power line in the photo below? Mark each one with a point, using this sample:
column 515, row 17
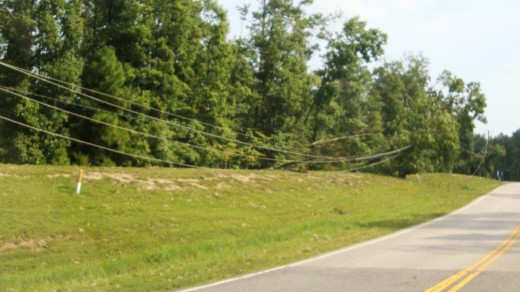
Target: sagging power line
column 351, row 159
column 47, row 80
column 12, row 92
column 2, row 88
column 135, row 156
column 286, row 162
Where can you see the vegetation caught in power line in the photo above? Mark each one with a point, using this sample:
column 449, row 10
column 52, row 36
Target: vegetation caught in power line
column 161, row 79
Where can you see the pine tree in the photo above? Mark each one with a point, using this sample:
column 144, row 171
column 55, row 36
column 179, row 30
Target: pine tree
column 39, row 36
column 280, row 33
column 342, row 105
column 466, row 103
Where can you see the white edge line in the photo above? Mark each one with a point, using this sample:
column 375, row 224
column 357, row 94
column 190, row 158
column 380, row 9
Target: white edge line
column 345, row 249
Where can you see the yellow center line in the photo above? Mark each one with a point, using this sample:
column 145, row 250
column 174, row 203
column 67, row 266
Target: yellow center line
column 484, row 266
column 479, row 266
column 464, row 282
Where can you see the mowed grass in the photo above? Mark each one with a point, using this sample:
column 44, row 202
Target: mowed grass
column 162, row 229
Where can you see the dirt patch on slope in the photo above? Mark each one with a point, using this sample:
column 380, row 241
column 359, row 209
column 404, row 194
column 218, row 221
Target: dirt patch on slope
column 32, row 244
column 121, row 177
column 93, row 176
column 167, row 184
column 58, row 175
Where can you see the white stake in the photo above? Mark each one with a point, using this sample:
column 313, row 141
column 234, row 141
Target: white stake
column 78, row 185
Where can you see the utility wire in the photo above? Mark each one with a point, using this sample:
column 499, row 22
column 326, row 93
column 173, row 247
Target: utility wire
column 11, row 91
column 99, row 146
column 483, row 157
column 326, row 141
column 129, row 154
column 54, row 99
column 39, row 77
column 373, row 164
column 128, row 101
column 2, row 88
column 352, row 159
column 331, row 159
column 173, row 162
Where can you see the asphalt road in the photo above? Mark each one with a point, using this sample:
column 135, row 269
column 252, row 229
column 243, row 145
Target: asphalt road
column 472, row 249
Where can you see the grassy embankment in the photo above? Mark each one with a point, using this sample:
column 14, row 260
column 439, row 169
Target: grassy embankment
column 160, row 229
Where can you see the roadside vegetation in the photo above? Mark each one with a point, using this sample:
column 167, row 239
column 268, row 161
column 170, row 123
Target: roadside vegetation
column 160, row 229
column 163, row 83
column 110, row 84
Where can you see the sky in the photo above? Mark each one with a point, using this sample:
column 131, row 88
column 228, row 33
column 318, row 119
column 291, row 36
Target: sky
column 476, row 40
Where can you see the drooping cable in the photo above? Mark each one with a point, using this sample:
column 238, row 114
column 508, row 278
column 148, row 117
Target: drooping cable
column 156, row 110
column 349, row 159
column 135, row 156
column 483, row 157
column 2, row 88
column 396, row 152
column 48, row 80
column 367, row 165
column 329, row 159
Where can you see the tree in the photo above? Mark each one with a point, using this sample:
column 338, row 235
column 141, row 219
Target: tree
column 198, row 93
column 342, row 105
column 41, row 36
column 16, row 27
column 508, row 154
column 280, row 33
column 172, row 56
column 107, row 74
column 413, row 116
column 466, row 103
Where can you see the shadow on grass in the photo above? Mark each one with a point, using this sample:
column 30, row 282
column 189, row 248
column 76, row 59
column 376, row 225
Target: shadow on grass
column 395, row 224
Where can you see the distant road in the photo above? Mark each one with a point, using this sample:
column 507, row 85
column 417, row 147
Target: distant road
column 473, row 249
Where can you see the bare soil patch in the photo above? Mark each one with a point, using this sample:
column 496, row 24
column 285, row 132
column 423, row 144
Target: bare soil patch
column 32, row 244
column 58, row 175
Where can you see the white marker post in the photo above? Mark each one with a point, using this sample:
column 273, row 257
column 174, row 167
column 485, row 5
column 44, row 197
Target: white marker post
column 78, row 185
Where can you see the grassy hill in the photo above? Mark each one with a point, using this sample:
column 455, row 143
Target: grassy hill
column 160, row 229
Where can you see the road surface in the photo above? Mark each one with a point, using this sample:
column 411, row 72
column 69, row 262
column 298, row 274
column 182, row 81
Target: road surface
column 472, row 249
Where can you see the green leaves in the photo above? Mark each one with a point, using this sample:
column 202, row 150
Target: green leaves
column 209, row 101
column 107, row 72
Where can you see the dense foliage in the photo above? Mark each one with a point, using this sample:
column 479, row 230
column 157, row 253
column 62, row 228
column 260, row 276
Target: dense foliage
column 503, row 157
column 176, row 88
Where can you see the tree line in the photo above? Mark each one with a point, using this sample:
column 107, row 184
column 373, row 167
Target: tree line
column 503, row 158
column 246, row 102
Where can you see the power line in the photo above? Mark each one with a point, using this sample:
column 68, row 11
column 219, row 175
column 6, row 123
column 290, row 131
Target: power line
column 374, row 163
column 483, row 157
column 8, row 90
column 156, row 159
column 66, row 102
column 2, row 88
column 330, row 159
column 99, row 146
column 326, row 141
column 352, row 159
column 124, row 100
column 45, row 79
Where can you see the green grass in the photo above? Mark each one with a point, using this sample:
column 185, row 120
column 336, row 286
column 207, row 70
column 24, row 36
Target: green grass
column 160, row 229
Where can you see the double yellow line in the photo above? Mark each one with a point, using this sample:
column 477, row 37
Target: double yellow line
column 462, row 278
